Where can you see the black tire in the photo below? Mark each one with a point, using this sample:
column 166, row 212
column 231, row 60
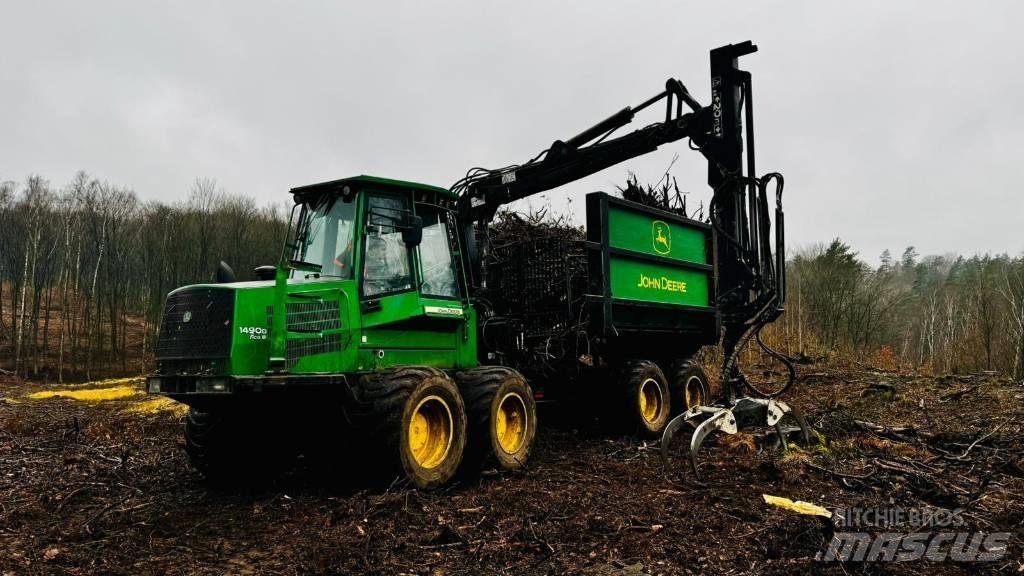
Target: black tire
column 390, row 399
column 241, row 447
column 502, row 418
column 689, row 386
column 648, row 401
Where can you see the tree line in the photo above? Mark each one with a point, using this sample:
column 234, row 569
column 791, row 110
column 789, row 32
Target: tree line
column 945, row 314
column 84, row 269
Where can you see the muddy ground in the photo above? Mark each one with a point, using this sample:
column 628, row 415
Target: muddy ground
column 101, row 485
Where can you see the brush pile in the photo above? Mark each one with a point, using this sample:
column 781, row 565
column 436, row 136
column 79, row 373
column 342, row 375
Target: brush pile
column 665, row 195
column 536, row 267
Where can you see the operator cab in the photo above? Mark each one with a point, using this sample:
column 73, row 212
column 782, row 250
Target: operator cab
column 404, row 241
column 389, row 248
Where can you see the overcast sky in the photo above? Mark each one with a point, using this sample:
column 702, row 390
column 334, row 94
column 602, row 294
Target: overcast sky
column 894, row 123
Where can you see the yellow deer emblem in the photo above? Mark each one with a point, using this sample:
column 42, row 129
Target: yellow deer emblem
column 662, row 235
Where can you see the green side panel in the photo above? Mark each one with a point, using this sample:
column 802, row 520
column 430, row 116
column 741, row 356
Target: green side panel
column 644, row 233
column 311, row 351
column 250, row 340
column 654, row 282
column 321, row 350
column 406, row 329
column 467, row 341
column 441, row 359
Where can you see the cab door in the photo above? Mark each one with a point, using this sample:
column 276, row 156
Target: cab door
column 409, row 298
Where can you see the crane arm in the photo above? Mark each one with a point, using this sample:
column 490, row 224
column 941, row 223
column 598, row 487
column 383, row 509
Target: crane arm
column 483, row 192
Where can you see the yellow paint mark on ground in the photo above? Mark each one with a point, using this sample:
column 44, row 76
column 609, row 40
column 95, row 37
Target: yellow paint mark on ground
column 108, row 383
column 799, row 507
column 157, row 405
column 89, row 394
column 128, row 390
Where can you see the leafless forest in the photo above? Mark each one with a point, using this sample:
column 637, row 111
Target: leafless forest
column 84, row 268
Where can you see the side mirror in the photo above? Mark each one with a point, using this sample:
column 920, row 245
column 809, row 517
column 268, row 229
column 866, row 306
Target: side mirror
column 412, row 230
column 225, row 275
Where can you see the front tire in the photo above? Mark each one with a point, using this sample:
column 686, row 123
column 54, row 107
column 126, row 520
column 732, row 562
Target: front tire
column 236, row 446
column 502, row 418
column 415, row 422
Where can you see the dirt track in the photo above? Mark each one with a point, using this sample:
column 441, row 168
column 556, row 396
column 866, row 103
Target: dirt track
column 103, row 486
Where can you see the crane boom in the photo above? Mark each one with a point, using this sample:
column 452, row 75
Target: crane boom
column 748, row 268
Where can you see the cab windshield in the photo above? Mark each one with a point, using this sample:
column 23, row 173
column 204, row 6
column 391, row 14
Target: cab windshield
column 325, row 235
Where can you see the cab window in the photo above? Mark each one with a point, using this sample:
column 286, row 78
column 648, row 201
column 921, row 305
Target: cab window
column 436, row 263
column 326, row 236
column 385, row 256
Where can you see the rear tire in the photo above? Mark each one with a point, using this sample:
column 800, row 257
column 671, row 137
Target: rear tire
column 648, row 400
column 415, row 422
column 689, row 386
column 502, row 418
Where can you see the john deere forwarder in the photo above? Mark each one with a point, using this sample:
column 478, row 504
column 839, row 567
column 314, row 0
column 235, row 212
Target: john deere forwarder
column 393, row 325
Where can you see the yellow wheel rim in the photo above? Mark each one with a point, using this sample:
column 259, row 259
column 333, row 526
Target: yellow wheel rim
column 430, row 432
column 694, row 392
column 510, row 423
column 651, row 401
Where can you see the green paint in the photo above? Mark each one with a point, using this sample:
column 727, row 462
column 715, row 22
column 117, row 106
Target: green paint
column 638, row 232
column 652, row 282
column 399, row 329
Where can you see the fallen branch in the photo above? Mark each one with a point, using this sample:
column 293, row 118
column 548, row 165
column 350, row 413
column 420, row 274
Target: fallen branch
column 103, row 511
column 899, row 433
column 842, row 474
column 958, row 394
column 985, row 437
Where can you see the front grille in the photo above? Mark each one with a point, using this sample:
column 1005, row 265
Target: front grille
column 310, row 317
column 197, row 324
column 299, row 348
column 313, row 316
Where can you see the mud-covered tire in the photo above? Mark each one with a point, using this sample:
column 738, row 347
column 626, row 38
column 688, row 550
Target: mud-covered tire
column 237, row 447
column 502, row 418
column 424, row 400
column 689, row 386
column 648, row 401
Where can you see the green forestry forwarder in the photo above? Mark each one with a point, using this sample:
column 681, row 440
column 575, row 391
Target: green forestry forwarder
column 391, row 328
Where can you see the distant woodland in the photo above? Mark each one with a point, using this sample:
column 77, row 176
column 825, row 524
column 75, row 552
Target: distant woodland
column 84, row 269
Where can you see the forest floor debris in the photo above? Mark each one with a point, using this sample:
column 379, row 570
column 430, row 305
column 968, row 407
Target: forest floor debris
column 92, row 487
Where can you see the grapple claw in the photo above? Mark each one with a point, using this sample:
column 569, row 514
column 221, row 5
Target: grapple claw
column 744, row 412
column 715, row 418
column 783, row 432
column 670, row 431
column 722, row 420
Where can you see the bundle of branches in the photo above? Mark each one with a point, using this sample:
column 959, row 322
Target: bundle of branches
column 536, row 268
column 513, row 227
column 665, row 195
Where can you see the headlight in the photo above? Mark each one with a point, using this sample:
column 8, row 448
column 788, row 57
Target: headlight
column 153, row 385
column 212, row 385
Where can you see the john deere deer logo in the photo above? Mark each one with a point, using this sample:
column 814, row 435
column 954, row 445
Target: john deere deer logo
column 662, row 236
